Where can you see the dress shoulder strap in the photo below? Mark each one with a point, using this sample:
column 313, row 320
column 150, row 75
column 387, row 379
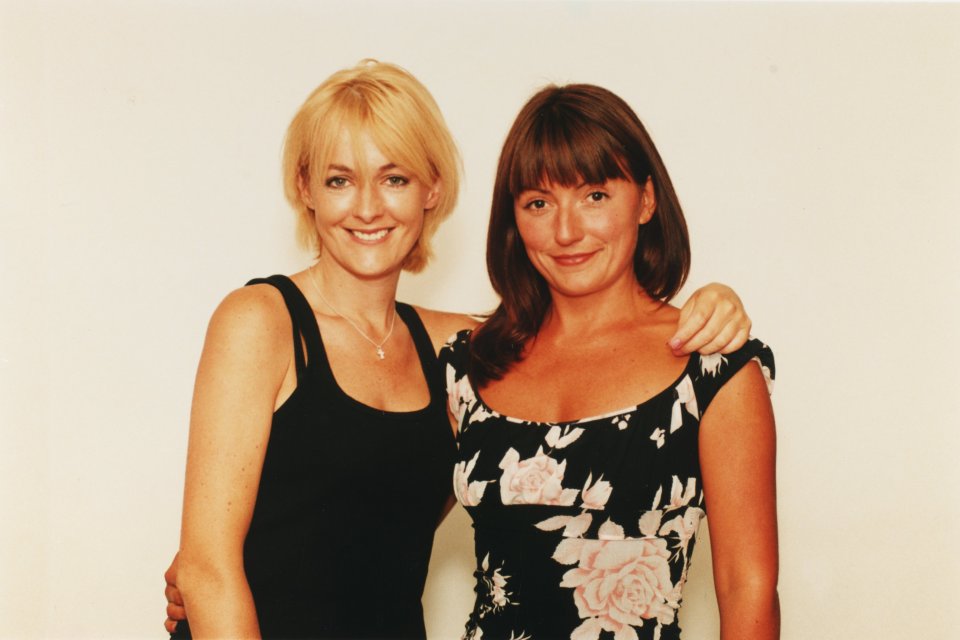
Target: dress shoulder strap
column 710, row 373
column 428, row 359
column 305, row 330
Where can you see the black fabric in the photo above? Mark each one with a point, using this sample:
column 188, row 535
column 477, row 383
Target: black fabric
column 349, row 497
column 585, row 528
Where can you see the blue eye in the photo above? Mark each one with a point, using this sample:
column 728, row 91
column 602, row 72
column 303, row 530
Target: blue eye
column 336, row 182
column 397, row 181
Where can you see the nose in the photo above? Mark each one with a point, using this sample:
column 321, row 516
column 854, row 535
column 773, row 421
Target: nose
column 567, row 230
column 370, row 205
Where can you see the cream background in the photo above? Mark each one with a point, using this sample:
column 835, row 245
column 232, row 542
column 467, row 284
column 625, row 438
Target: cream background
column 815, row 147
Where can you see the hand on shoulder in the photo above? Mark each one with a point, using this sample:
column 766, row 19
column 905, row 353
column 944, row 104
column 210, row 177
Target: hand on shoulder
column 712, row 320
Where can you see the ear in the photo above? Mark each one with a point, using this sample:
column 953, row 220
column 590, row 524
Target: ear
column 303, row 186
column 433, row 196
column 648, row 201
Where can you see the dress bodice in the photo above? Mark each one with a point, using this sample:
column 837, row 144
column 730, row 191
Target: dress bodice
column 584, row 529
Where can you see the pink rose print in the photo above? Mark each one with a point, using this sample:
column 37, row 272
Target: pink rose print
column 595, row 496
column 618, row 584
column 468, row 493
column 536, row 480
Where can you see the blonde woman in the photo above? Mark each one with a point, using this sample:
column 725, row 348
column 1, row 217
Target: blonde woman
column 320, row 451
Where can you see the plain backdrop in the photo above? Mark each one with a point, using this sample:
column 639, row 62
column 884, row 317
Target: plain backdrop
column 816, row 150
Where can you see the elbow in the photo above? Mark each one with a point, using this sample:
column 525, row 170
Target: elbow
column 756, row 585
column 200, row 577
column 749, row 607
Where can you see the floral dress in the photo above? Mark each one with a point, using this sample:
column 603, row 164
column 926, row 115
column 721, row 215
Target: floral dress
column 585, row 529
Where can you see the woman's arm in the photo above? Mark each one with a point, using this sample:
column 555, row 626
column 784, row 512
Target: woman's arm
column 246, row 358
column 712, row 320
column 738, row 462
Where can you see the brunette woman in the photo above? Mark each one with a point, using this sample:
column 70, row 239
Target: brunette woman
column 588, row 452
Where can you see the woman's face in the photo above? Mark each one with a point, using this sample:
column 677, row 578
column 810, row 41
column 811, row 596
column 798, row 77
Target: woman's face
column 368, row 210
column 582, row 239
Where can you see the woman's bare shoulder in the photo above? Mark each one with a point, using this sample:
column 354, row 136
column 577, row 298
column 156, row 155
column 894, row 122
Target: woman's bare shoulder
column 254, row 316
column 441, row 325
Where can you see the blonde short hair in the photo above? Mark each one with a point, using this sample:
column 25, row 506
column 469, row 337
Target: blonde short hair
column 403, row 120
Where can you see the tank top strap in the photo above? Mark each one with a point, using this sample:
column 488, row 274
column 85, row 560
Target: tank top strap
column 428, row 358
column 305, row 330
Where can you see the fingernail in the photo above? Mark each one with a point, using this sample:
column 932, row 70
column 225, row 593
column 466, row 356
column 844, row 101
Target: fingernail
column 675, row 343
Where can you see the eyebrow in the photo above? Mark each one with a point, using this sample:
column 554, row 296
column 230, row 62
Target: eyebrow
column 345, row 169
column 548, row 191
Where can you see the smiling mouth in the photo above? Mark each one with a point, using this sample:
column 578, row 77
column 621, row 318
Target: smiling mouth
column 370, row 236
column 573, row 259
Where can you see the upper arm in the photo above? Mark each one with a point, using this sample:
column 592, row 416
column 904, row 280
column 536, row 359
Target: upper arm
column 738, row 462
column 246, row 356
column 441, row 325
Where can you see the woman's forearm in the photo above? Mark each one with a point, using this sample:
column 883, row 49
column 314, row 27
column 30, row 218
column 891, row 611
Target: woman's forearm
column 749, row 613
column 218, row 602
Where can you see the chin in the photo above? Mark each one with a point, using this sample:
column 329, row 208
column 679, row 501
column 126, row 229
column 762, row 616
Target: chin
column 377, row 270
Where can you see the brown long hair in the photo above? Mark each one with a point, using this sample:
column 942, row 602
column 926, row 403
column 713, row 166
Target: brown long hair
column 567, row 135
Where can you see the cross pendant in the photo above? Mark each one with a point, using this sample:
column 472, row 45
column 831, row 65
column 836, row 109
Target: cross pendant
column 380, row 353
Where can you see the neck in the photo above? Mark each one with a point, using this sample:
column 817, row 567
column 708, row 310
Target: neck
column 625, row 303
column 367, row 301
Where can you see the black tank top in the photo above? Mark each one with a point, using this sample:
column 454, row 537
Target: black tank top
column 349, row 498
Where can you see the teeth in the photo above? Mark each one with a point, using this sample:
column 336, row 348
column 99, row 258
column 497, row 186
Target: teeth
column 376, row 235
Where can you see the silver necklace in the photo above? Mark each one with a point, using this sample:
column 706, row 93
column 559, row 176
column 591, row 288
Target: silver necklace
column 379, row 346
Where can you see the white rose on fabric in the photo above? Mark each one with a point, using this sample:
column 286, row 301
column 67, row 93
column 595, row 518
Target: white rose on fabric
column 454, row 393
column 499, row 591
column 610, row 530
column 686, row 397
column 468, row 493
column 553, row 523
column 536, row 480
column 482, row 413
column 658, row 436
column 650, row 522
column 557, row 439
column 656, row 498
column 496, row 596
column 684, row 526
column 461, row 399
column 680, row 496
column 767, row 376
column 578, row 526
column 618, row 585
column 573, row 526
column 711, row 364
column 595, row 496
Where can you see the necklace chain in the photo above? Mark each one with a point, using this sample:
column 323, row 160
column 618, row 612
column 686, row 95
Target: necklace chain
column 379, row 346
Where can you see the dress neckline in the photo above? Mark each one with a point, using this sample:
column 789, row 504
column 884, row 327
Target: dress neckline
column 320, row 363
column 605, row 416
